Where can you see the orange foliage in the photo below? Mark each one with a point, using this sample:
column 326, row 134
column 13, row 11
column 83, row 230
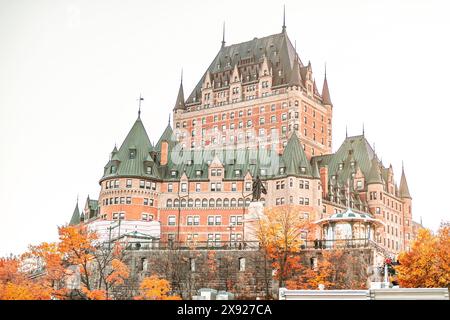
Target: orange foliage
column 154, row 288
column 119, row 272
column 427, row 264
column 335, row 270
column 279, row 234
column 15, row 285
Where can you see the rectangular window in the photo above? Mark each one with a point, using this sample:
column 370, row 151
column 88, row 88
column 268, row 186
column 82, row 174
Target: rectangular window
column 233, row 186
column 218, row 220
column 196, row 220
column 128, row 200
column 184, row 187
column 142, row 184
column 169, row 187
column 171, row 220
column 210, row 220
column 248, row 186
column 197, row 187
column 129, row 183
column 190, row 220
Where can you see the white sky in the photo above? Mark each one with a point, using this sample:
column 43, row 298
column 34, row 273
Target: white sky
column 71, row 71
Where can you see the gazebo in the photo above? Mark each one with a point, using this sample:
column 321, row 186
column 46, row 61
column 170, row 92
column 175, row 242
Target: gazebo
column 348, row 228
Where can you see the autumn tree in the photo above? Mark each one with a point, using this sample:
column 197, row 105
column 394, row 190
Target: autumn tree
column 15, row 283
column 155, row 288
column 279, row 233
column 101, row 265
column 427, row 264
column 335, row 269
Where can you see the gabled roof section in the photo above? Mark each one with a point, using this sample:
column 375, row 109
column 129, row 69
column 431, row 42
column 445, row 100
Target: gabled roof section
column 129, row 159
column 404, row 190
column 277, row 48
column 75, row 216
column 167, row 136
column 294, row 157
column 360, row 152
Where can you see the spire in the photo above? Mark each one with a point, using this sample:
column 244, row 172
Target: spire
column 169, row 119
column 283, row 29
column 75, row 216
column 404, row 190
column 179, row 104
column 139, row 111
column 223, row 35
column 325, row 91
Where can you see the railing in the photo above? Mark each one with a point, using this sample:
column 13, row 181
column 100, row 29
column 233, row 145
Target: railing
column 245, row 245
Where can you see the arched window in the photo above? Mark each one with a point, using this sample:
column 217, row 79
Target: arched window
column 226, row 202
column 176, row 203
column 190, row 203
column 211, row 203
column 183, row 203
column 219, row 203
column 233, row 202
column 240, row 202
column 204, row 203
column 197, row 203
column 247, row 202
column 169, row 203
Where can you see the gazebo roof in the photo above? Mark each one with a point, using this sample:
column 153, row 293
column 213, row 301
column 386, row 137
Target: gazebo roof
column 349, row 216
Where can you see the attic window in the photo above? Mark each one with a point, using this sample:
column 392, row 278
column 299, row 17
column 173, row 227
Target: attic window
column 263, row 172
column 237, row 172
column 189, row 162
column 149, row 170
column 132, row 153
column 341, row 166
column 282, row 170
column 352, row 164
column 302, row 169
column 198, row 173
column 173, row 173
column 113, row 169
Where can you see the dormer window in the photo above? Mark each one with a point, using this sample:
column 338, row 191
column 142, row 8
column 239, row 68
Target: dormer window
column 352, row 164
column 263, row 172
column 302, row 169
column 132, row 153
column 173, row 173
column 189, row 162
column 341, row 166
column 282, row 170
column 149, row 170
column 237, row 172
column 198, row 173
column 113, row 169
column 333, row 177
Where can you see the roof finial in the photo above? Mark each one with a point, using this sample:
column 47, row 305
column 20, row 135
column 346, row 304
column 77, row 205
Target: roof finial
column 403, row 167
column 325, row 69
column 346, row 135
column 77, row 198
column 284, row 19
column 363, row 129
column 223, row 35
column 140, row 99
column 181, row 75
column 169, row 119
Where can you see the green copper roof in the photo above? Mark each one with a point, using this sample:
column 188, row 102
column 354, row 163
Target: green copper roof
column 294, row 157
column 75, row 216
column 277, row 48
column 129, row 159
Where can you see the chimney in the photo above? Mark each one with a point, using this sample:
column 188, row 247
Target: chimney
column 324, row 180
column 164, row 153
